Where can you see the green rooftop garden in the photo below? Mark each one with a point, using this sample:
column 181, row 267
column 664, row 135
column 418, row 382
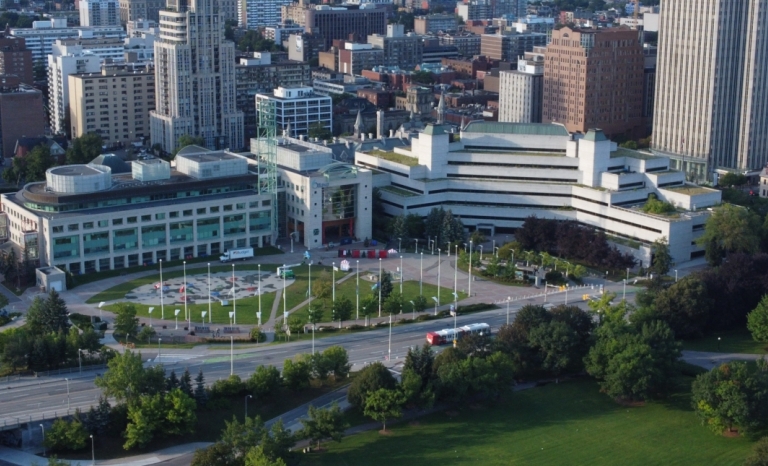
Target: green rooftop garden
column 690, row 190
column 394, row 157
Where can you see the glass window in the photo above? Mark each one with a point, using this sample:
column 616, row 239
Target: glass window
column 228, row 208
column 125, row 239
column 117, row 221
column 146, row 218
column 160, row 216
column 96, row 243
column 214, row 209
column 87, row 225
column 240, row 206
column 58, row 229
column 173, row 214
column 103, row 223
column 187, row 213
column 152, row 235
column 201, row 211
column 234, row 224
column 181, row 232
column 207, row 228
column 259, row 220
column 132, row 219
column 73, row 227
column 66, row 246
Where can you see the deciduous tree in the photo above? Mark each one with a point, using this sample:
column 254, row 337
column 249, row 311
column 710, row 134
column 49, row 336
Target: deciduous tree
column 757, row 321
column 384, row 404
column 296, row 374
column 323, row 424
column 126, row 321
column 371, row 378
column 264, row 381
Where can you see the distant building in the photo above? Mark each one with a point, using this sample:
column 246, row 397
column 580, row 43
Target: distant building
column 305, row 47
column 99, row 13
column 574, row 59
column 354, row 58
column 43, row 35
column 133, row 10
column 255, row 14
column 64, row 61
column 298, row 108
column 432, row 24
column 417, row 99
column 521, row 91
column 509, row 47
column 474, row 9
column 467, row 44
column 21, row 113
column 533, row 23
column 282, row 31
column 338, row 22
column 403, row 50
column 120, row 115
column 15, row 58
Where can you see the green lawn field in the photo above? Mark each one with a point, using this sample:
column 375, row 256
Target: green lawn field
column 731, row 341
column 569, row 423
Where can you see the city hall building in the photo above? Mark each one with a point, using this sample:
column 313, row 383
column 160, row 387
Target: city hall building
column 85, row 219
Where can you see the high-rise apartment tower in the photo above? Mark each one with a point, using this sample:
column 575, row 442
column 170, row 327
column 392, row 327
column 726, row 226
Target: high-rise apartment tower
column 195, row 78
column 711, row 84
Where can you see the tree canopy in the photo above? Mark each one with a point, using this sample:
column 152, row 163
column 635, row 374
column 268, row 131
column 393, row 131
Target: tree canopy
column 730, row 229
column 84, row 149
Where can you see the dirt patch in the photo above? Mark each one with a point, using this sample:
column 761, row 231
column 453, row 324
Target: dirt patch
column 630, row 403
column 385, row 432
column 731, row 433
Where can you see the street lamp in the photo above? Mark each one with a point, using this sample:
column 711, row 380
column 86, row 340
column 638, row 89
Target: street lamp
column 259, row 316
column 357, row 290
column 718, row 343
column 231, row 355
column 43, row 427
column 401, row 275
column 158, row 349
column 67, row 394
column 333, row 285
column 399, row 244
column 150, row 315
column 93, row 452
column 508, row 299
column 675, row 275
column 185, row 289
column 380, row 280
column 210, row 314
column 624, row 293
column 434, row 298
column 469, row 287
column 162, row 309
column 245, row 418
column 481, row 252
column 234, row 297
column 417, row 246
column 421, row 274
column 413, row 309
column 176, row 315
column 80, row 359
column 438, row 275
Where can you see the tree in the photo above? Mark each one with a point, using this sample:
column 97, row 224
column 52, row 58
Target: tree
column 393, row 304
column 66, row 435
column 187, row 140
column 295, row 324
column 96, row 420
column 632, row 364
column 722, row 397
column 337, row 361
column 662, row 258
column 732, row 179
column 219, row 454
column 318, row 130
column 422, row 77
column 732, row 229
column 368, row 306
column 343, row 309
column 323, row 424
column 48, row 315
column 314, row 316
column 145, row 416
column 277, row 443
column 296, row 374
column 180, row 414
column 557, row 343
column 757, row 320
column 256, row 457
column 240, row 437
column 322, row 287
column 31, row 167
column 264, row 381
column 146, row 334
column 125, row 319
column 416, row 380
column 419, row 304
column 759, row 456
column 370, row 379
column 656, row 206
column 201, row 394
column 384, row 404
column 126, row 378
column 84, row 149
column 385, row 282
column 685, row 306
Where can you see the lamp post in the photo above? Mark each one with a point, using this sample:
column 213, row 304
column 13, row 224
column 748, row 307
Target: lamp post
column 43, row 427
column 245, row 418
column 413, row 309
column 434, row 298
column 150, row 315
column 399, row 244
column 357, row 290
column 675, row 275
column 162, row 310
column 379, row 286
column 401, row 275
column 493, row 248
column 259, row 315
column 508, row 299
column 438, row 275
column 469, row 287
column 93, row 451
column 231, row 355
column 417, row 246
column 176, row 315
column 455, row 314
column 624, row 293
column 158, row 349
column 67, row 394
column 185, row 289
column 285, row 309
column 210, row 314
column 389, row 349
column 80, row 359
column 718, row 343
column 481, row 252
column 333, row 283
column 234, row 297
column 566, row 294
column 421, row 274
column 455, row 272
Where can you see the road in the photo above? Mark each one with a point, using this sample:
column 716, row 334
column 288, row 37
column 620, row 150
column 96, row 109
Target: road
column 31, row 399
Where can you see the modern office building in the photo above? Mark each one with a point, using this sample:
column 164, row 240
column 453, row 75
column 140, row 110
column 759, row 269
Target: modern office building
column 64, row 61
column 259, row 75
column 354, row 58
column 43, row 34
column 467, row 44
column 256, row 14
column 521, row 91
column 133, row 10
column 99, row 13
column 84, row 219
column 21, row 113
column 325, row 200
column 121, row 114
column 499, row 174
column 432, row 24
column 710, row 108
column 474, row 9
column 575, row 61
column 533, row 23
column 298, row 108
column 195, row 79
column 403, row 50
column 338, row 22
column 15, row 58
column 510, row 47
column 282, row 31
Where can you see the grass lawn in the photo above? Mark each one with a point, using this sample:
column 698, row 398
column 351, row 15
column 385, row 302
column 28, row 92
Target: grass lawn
column 118, row 292
column 410, row 292
column 569, row 423
column 210, row 422
column 94, row 277
column 731, row 341
column 298, row 291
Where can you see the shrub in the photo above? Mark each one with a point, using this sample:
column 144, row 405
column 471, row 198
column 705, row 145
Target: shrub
column 66, row 435
column 230, row 386
column 356, row 327
column 257, row 335
column 369, row 380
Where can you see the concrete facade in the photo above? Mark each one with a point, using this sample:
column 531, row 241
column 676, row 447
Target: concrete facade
column 64, row 61
column 298, row 108
column 133, row 10
column 521, row 91
column 21, row 113
column 99, row 13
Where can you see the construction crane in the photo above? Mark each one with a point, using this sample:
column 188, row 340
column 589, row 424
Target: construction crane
column 267, row 154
